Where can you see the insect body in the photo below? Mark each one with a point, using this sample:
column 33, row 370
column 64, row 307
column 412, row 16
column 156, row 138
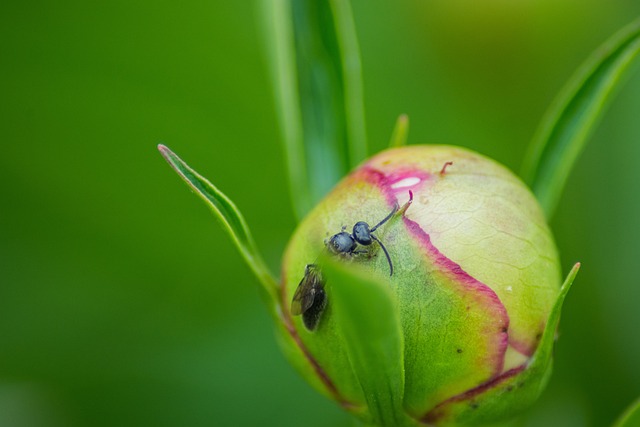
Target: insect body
column 345, row 243
column 310, row 300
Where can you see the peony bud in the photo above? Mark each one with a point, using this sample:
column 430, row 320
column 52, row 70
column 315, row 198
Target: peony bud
column 465, row 249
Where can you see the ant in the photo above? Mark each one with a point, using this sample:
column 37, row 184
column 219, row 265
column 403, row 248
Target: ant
column 347, row 244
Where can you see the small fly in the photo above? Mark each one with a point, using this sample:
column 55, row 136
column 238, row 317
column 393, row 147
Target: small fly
column 310, row 300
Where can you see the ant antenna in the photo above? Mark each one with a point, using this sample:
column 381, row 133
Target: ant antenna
column 395, row 209
column 385, row 252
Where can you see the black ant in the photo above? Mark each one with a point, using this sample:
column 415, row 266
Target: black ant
column 344, row 243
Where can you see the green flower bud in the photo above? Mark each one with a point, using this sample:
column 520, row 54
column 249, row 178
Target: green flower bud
column 474, row 268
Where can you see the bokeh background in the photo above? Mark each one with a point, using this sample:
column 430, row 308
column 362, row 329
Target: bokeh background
column 122, row 301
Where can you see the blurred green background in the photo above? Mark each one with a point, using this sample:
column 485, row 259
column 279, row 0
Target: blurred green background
column 122, row 301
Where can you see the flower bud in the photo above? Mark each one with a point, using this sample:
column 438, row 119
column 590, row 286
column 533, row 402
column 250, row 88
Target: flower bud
column 466, row 250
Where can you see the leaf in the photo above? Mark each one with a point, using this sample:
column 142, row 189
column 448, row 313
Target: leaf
column 231, row 219
column 630, row 417
column 545, row 347
column 400, row 132
column 281, row 48
column 542, row 357
column 366, row 311
column 352, row 76
column 568, row 123
column 316, row 74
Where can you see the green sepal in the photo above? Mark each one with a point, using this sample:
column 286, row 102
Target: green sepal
column 481, row 405
column 630, row 417
column 232, row 220
column 366, row 310
column 400, row 132
column 569, row 121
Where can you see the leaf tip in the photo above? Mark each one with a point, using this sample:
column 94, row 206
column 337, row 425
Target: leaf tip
column 174, row 161
column 164, row 150
column 400, row 131
column 575, row 269
column 569, row 280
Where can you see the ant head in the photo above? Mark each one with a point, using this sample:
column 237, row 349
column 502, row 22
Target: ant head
column 341, row 243
column 362, row 233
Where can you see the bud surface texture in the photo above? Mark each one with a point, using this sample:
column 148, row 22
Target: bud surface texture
column 475, row 272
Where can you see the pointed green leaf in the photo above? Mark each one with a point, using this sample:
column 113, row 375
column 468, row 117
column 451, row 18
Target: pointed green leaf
column 231, row 219
column 573, row 115
column 316, row 73
column 400, row 132
column 545, row 347
column 366, row 311
column 630, row 417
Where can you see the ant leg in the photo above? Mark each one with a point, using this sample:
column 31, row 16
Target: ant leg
column 387, row 218
column 385, row 252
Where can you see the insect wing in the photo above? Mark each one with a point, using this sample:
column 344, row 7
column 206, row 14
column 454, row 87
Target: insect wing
column 311, row 317
column 306, row 292
column 303, row 298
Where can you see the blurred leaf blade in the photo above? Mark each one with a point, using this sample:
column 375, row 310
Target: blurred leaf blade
column 570, row 120
column 316, row 73
column 281, row 52
column 366, row 312
column 230, row 217
column 352, row 76
column 630, row 417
